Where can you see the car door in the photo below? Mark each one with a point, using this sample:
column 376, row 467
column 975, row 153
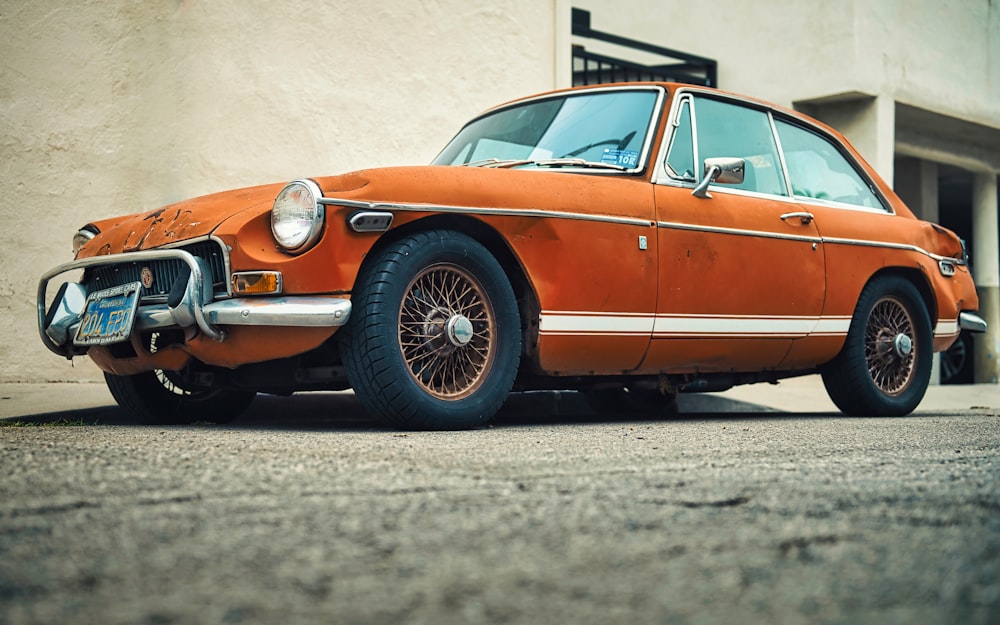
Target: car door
column 741, row 271
column 853, row 220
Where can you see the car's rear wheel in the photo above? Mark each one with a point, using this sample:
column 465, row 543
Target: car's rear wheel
column 434, row 338
column 159, row 397
column 885, row 365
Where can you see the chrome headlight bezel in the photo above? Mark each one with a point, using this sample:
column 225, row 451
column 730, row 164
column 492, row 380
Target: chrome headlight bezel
column 297, row 216
column 82, row 237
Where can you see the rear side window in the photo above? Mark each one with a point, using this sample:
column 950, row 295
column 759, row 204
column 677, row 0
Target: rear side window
column 819, row 171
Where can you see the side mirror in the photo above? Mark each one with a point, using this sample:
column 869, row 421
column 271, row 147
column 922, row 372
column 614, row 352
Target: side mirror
column 723, row 170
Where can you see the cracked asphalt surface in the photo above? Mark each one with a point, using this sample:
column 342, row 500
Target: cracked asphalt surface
column 553, row 515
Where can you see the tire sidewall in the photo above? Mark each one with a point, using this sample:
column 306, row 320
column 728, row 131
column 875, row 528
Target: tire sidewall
column 870, row 398
column 381, row 300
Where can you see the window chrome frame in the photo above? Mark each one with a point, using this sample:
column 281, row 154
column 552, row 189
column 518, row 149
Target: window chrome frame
column 647, row 143
column 662, row 176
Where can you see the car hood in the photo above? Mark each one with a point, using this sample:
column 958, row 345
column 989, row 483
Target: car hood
column 484, row 187
column 178, row 222
column 473, row 187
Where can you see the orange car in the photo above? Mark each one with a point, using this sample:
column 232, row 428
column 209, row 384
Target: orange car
column 631, row 241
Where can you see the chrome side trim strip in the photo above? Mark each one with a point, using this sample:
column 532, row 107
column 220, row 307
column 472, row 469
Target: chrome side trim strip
column 493, row 212
column 887, row 245
column 737, row 232
column 825, row 240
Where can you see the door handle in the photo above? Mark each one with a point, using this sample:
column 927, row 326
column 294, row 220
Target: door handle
column 804, row 217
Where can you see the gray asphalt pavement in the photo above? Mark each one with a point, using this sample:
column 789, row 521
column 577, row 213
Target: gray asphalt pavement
column 759, row 505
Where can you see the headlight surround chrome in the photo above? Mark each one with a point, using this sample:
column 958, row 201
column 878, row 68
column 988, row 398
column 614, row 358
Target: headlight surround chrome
column 297, row 216
column 82, row 237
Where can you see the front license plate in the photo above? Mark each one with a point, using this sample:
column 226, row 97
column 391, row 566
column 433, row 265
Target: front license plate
column 109, row 315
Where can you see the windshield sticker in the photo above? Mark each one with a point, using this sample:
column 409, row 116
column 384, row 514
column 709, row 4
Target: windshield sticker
column 624, row 158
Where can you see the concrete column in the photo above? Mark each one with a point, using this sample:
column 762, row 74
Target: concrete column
column 916, row 183
column 986, row 270
column 884, row 150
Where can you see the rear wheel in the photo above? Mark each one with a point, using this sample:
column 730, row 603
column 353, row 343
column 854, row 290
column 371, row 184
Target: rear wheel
column 435, row 337
column 158, row 397
column 885, row 365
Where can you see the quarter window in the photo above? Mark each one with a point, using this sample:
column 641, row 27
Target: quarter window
column 680, row 157
column 819, row 171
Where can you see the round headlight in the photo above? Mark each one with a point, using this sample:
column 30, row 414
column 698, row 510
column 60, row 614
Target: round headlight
column 297, row 216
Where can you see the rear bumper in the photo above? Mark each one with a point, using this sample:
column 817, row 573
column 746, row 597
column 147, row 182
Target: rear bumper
column 971, row 322
column 57, row 324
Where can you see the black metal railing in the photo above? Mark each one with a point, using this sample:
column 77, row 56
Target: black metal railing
column 590, row 68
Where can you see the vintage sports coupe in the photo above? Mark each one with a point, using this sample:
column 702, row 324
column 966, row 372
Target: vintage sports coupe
column 630, row 241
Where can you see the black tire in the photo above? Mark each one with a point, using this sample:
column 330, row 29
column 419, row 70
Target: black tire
column 434, row 338
column 156, row 398
column 885, row 365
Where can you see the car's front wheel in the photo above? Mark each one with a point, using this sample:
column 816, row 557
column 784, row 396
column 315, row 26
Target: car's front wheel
column 159, row 397
column 435, row 337
column 885, row 365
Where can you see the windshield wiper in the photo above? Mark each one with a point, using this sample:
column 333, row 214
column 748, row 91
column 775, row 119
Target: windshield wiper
column 497, row 163
column 576, row 162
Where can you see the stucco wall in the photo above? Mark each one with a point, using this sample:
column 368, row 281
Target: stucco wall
column 116, row 107
column 940, row 55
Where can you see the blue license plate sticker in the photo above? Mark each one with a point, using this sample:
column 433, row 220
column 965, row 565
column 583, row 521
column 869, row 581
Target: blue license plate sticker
column 109, row 315
column 623, row 158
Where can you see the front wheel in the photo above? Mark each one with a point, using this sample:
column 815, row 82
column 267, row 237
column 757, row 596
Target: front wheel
column 159, row 397
column 885, row 365
column 434, row 338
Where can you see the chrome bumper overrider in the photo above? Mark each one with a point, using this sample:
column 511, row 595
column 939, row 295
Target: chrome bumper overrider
column 971, row 322
column 58, row 324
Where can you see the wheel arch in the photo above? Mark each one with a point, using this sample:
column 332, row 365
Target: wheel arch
column 495, row 244
column 918, row 280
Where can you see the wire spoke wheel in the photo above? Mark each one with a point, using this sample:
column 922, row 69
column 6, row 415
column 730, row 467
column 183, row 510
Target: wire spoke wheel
column 447, row 331
column 890, row 346
column 884, row 366
column 434, row 340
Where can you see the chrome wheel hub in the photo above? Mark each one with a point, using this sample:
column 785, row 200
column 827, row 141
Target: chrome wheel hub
column 459, row 330
column 903, row 345
column 889, row 346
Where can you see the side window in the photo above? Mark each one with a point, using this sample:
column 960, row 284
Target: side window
column 726, row 129
column 680, row 156
column 818, row 170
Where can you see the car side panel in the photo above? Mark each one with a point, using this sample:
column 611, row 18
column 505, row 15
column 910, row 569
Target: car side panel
column 737, row 283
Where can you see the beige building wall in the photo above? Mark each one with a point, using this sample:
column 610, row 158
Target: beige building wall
column 912, row 79
column 938, row 55
column 114, row 107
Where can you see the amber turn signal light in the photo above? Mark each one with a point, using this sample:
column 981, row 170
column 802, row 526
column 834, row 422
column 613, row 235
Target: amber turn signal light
column 256, row 283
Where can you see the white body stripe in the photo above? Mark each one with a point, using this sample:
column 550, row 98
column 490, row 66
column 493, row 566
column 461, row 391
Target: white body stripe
column 581, row 323
column 664, row 326
column 946, row 327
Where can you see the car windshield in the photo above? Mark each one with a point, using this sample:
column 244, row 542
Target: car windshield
column 590, row 129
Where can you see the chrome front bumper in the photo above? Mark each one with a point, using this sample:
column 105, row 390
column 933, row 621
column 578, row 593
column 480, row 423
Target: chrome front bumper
column 57, row 324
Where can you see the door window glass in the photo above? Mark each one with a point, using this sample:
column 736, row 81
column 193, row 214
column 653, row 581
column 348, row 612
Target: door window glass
column 731, row 130
column 818, row 170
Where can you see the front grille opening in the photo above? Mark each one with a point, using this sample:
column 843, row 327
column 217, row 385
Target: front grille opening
column 163, row 273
